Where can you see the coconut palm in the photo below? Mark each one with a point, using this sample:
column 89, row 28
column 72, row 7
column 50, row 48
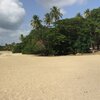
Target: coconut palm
column 87, row 13
column 36, row 22
column 47, row 19
column 55, row 13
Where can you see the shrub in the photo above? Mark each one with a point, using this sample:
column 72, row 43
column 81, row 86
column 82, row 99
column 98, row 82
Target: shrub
column 17, row 48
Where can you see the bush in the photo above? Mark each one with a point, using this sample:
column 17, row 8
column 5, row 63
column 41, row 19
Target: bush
column 37, row 48
column 17, row 48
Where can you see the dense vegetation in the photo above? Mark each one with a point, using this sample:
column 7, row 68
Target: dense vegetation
column 56, row 36
column 7, row 47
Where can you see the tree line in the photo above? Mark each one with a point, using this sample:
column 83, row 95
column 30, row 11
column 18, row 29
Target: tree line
column 57, row 36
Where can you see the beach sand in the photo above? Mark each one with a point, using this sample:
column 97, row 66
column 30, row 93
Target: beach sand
column 28, row 77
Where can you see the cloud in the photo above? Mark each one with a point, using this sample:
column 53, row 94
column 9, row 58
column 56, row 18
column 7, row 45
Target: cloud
column 59, row 3
column 11, row 17
column 10, row 36
column 11, row 14
column 63, row 11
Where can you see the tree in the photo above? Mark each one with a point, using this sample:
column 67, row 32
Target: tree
column 87, row 13
column 21, row 37
column 67, row 36
column 36, row 22
column 55, row 13
column 47, row 19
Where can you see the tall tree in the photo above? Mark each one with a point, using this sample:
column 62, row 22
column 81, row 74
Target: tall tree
column 55, row 13
column 48, row 19
column 87, row 13
column 36, row 22
column 21, row 37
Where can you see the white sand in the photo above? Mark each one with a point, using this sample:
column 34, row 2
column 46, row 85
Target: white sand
column 26, row 77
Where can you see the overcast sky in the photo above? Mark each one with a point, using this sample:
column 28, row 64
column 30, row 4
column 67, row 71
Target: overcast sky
column 15, row 15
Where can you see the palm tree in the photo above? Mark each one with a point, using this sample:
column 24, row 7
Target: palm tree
column 55, row 13
column 36, row 22
column 47, row 19
column 87, row 13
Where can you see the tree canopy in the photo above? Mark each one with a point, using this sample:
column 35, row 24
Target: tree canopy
column 80, row 34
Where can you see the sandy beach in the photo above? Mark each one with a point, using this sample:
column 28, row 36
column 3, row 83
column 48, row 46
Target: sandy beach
column 29, row 77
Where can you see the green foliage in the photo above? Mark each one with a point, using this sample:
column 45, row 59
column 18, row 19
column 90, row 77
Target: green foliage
column 55, row 13
column 17, row 48
column 36, row 22
column 2, row 48
column 7, row 47
column 67, row 36
column 37, row 48
column 47, row 19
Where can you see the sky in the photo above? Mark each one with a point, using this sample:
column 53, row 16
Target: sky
column 15, row 15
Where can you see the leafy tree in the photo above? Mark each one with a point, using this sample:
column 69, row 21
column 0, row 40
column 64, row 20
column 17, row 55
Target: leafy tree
column 67, row 36
column 21, row 37
column 17, row 48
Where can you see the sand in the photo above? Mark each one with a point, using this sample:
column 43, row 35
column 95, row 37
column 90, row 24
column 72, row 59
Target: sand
column 27, row 77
